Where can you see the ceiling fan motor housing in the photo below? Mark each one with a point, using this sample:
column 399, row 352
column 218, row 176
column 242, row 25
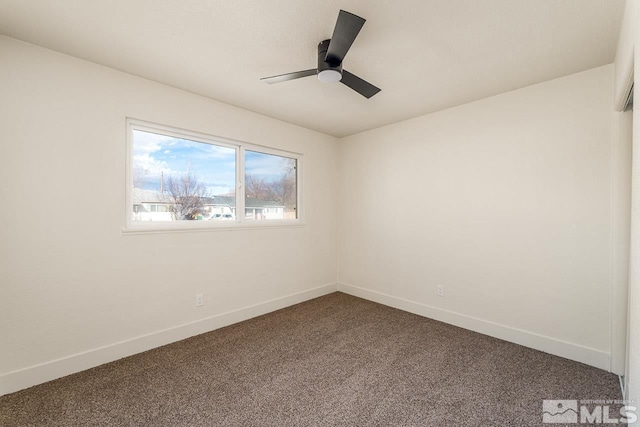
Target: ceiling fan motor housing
column 327, row 72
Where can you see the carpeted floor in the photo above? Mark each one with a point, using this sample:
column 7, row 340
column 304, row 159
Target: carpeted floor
column 335, row 360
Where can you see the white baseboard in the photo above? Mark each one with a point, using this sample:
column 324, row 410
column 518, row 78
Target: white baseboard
column 38, row 374
column 568, row 350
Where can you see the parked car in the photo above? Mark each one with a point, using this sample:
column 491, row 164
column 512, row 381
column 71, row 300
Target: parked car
column 222, row 216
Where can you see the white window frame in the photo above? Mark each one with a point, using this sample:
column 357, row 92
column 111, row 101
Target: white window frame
column 143, row 227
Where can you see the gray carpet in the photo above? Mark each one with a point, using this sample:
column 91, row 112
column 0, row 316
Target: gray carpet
column 335, row 360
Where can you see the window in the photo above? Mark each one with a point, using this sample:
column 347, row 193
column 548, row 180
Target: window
column 183, row 180
column 271, row 190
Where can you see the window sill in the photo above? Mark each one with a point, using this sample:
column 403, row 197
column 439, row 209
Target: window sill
column 155, row 228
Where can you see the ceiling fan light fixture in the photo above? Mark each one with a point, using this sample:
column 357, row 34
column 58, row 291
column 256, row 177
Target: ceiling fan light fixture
column 331, row 53
column 330, row 76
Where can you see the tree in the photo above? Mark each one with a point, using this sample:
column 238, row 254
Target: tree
column 138, row 176
column 186, row 195
column 281, row 190
column 288, row 186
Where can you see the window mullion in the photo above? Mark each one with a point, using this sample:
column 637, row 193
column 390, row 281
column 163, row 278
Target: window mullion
column 240, row 186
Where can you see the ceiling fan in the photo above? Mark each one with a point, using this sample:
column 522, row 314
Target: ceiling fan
column 331, row 53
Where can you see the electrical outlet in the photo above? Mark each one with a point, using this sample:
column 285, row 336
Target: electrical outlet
column 199, row 300
column 440, row 291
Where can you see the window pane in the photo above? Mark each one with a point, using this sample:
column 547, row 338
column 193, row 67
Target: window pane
column 270, row 186
column 178, row 179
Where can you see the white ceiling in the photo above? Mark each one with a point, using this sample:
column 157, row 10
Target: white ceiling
column 425, row 55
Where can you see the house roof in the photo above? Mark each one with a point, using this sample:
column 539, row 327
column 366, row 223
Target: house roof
column 140, row 195
column 249, row 202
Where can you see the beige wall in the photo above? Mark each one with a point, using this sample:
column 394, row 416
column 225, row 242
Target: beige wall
column 71, row 281
column 506, row 202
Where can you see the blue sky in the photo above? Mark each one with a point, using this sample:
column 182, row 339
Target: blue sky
column 213, row 165
column 266, row 166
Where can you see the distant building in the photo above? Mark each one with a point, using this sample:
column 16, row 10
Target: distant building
column 151, row 205
column 262, row 209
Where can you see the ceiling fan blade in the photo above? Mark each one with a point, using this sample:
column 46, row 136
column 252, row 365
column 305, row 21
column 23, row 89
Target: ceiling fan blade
column 289, row 76
column 345, row 32
column 364, row 88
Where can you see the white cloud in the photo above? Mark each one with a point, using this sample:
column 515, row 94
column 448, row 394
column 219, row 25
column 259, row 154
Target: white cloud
column 145, row 144
column 155, row 154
